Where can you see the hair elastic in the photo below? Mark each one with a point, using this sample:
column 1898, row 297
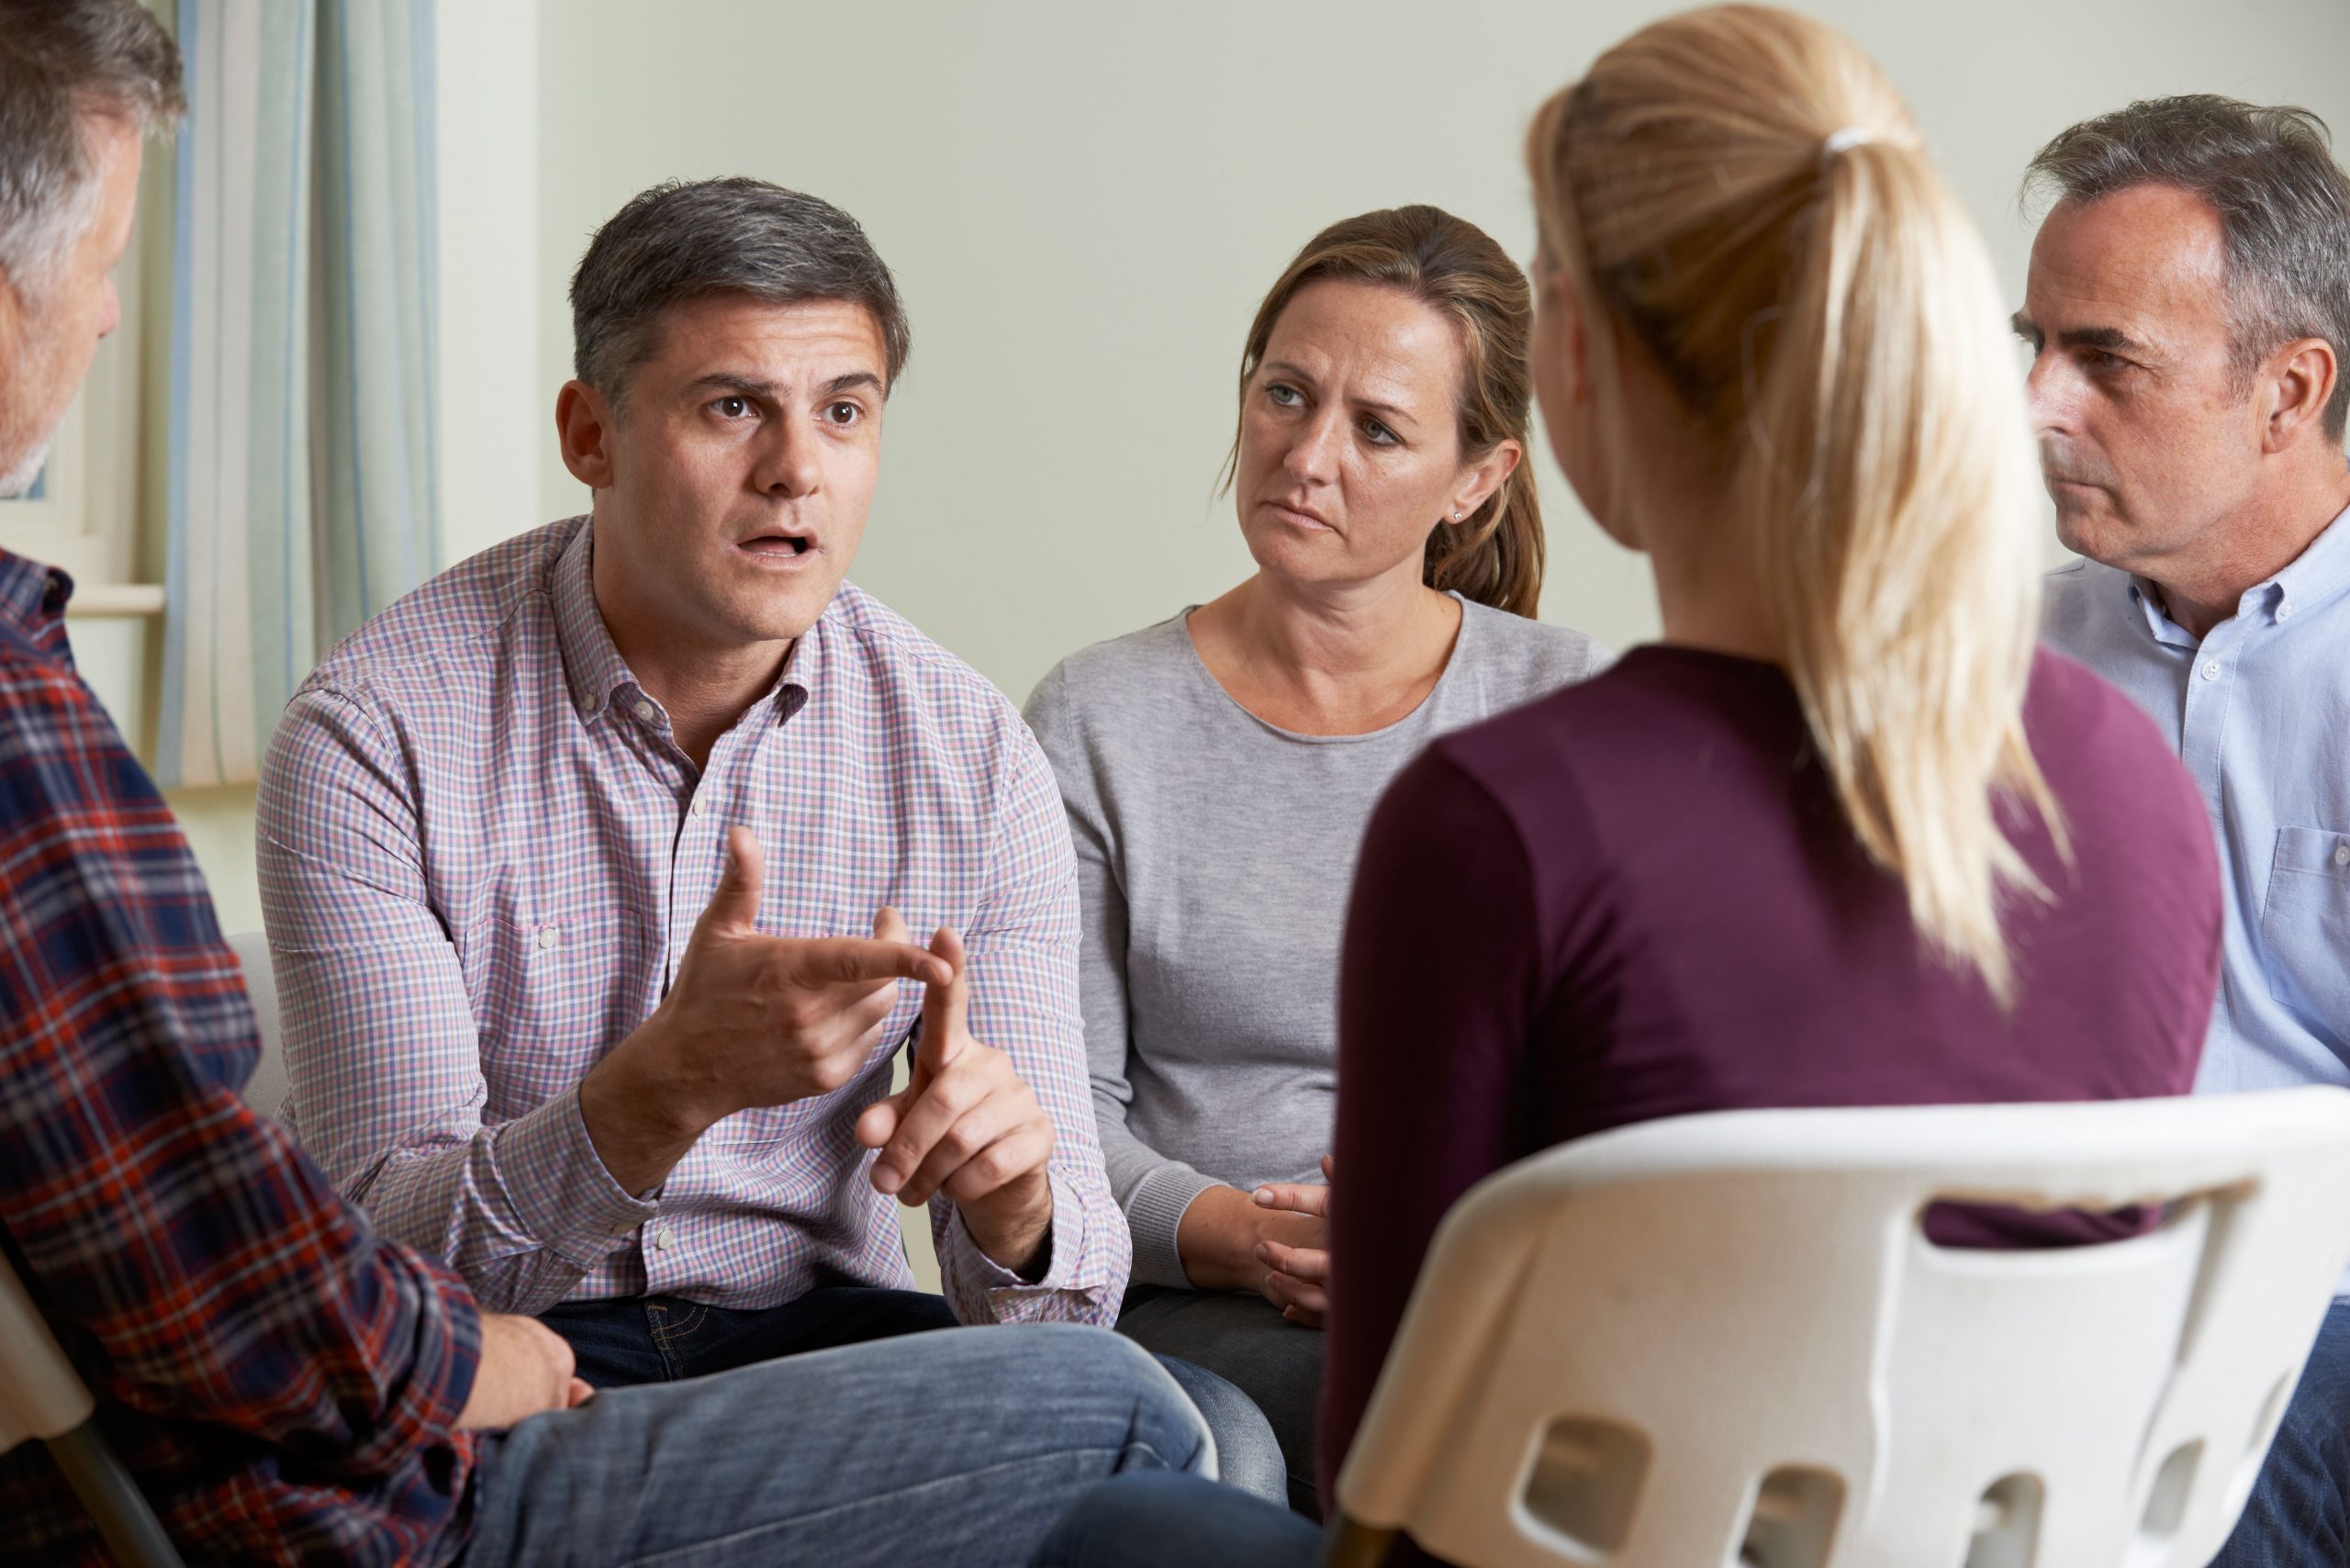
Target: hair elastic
column 1842, row 140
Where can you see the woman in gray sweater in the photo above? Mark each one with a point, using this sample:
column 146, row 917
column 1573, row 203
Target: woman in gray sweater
column 1218, row 768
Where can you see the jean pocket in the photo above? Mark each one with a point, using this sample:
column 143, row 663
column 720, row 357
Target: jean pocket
column 2305, row 926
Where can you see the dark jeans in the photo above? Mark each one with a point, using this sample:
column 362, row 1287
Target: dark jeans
column 1133, row 1522
column 1243, row 1339
column 627, row 1341
column 2299, row 1513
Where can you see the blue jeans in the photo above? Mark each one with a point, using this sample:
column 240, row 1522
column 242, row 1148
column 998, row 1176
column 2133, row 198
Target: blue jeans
column 1243, row 1339
column 2299, row 1513
column 624, row 1341
column 956, row 1447
column 1177, row 1521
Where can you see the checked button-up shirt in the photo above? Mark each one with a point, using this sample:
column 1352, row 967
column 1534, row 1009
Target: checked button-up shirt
column 482, row 856
column 281, row 1381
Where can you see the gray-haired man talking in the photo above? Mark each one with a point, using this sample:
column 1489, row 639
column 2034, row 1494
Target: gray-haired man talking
column 2188, row 308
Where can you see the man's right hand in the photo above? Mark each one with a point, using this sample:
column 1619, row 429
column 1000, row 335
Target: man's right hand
column 752, row 1021
column 525, row 1367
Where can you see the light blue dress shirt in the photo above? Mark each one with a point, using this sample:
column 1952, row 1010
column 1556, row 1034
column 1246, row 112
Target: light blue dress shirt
column 2260, row 712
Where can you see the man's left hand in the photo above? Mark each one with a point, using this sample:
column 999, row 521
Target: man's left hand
column 967, row 1125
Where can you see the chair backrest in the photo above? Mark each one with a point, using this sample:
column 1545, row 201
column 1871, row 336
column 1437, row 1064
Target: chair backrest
column 265, row 1092
column 1720, row 1339
column 41, row 1394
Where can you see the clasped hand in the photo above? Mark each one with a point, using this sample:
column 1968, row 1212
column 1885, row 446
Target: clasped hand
column 1297, row 1272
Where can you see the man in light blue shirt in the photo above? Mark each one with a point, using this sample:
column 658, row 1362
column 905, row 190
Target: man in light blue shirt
column 2189, row 310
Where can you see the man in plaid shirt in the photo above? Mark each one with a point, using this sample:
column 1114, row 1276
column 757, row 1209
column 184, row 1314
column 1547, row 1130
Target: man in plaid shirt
column 285, row 1385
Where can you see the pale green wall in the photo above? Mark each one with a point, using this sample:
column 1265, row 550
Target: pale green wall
column 1083, row 202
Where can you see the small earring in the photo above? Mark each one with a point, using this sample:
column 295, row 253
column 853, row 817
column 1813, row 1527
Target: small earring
column 1456, row 517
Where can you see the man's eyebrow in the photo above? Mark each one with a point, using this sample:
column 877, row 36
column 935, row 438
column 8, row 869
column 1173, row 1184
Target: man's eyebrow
column 2109, row 340
column 730, row 381
column 851, row 382
column 1387, row 411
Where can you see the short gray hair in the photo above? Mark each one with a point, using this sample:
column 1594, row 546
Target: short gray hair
column 2282, row 202
column 63, row 62
column 682, row 241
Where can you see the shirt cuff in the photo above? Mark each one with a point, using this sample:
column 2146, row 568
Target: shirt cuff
column 982, row 1279
column 1155, row 1213
column 568, row 1202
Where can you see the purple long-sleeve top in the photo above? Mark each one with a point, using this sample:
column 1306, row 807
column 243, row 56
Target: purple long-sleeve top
column 1638, row 898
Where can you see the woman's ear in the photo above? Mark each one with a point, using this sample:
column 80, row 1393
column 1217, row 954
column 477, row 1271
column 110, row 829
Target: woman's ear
column 1482, row 478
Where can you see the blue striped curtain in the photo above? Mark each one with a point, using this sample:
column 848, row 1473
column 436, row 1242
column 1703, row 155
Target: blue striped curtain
column 302, row 473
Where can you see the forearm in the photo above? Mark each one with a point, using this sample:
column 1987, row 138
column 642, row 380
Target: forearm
column 1086, row 1256
column 1218, row 1240
column 639, row 1121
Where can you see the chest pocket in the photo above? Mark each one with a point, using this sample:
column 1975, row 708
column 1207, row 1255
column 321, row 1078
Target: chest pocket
column 551, row 996
column 2305, row 926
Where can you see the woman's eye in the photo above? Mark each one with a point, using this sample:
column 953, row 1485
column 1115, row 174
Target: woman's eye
column 1379, row 434
column 1283, row 395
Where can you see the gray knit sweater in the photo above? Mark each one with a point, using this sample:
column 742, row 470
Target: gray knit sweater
column 1214, row 853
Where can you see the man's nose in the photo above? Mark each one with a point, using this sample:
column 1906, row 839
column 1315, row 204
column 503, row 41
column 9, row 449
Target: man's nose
column 2050, row 390
column 787, row 466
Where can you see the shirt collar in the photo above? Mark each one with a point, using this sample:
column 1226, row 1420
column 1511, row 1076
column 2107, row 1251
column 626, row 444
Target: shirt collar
column 2315, row 577
column 32, row 602
column 2318, row 575
column 592, row 662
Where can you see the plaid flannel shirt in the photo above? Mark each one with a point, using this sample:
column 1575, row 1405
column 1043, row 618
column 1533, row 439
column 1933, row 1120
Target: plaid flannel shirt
column 482, row 856
column 281, row 1382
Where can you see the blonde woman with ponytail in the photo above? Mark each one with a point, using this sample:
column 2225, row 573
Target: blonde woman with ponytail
column 1842, row 836
column 1218, row 768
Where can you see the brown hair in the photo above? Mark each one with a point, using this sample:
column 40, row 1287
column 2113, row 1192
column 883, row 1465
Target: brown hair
column 1740, row 193
column 1493, row 556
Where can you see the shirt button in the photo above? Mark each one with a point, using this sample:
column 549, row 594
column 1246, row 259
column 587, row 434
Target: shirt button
column 2212, row 670
column 661, row 1239
column 549, row 936
column 2342, row 854
column 2284, row 612
column 645, row 710
column 701, row 807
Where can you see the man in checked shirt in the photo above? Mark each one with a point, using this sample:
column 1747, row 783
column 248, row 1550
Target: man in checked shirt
column 285, row 1384
column 591, row 869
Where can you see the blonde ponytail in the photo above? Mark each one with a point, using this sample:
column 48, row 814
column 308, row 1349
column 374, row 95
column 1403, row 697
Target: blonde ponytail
column 1830, row 316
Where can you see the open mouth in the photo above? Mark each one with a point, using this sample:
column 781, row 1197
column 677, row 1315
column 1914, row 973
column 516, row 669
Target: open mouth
column 779, row 545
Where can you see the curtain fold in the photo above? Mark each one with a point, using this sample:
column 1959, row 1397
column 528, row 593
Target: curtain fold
column 302, row 469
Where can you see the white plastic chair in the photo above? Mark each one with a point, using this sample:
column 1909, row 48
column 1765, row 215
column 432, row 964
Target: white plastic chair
column 40, row 1396
column 1724, row 1339
column 265, row 1092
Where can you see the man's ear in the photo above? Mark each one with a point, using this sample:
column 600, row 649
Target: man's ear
column 12, row 320
column 583, row 428
column 2302, row 376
